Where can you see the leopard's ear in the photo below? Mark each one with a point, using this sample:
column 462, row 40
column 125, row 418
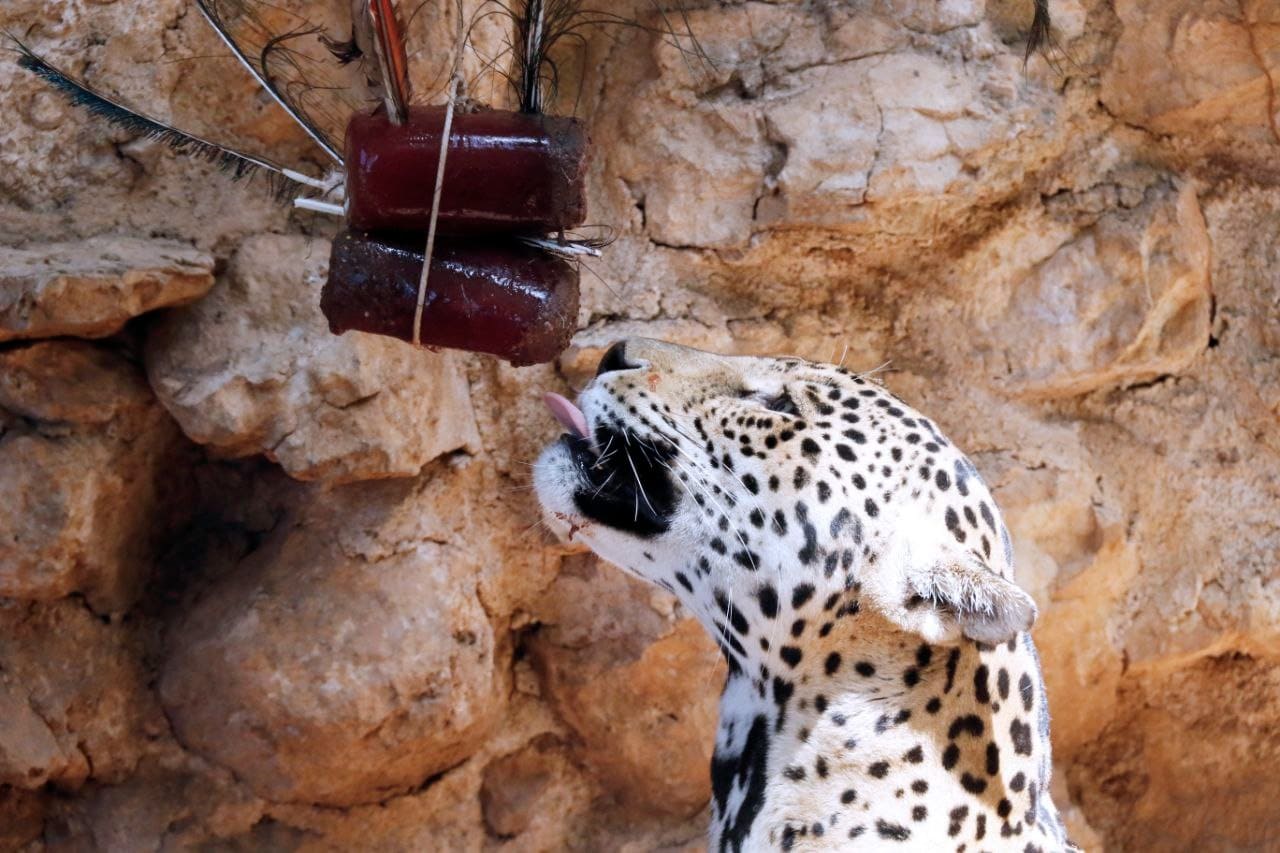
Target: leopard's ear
column 953, row 594
column 985, row 606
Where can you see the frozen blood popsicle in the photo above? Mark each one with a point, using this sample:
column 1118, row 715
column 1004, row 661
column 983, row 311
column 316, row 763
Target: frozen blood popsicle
column 505, row 171
column 516, row 302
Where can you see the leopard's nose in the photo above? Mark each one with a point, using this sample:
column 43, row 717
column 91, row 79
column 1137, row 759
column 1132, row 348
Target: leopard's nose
column 615, row 359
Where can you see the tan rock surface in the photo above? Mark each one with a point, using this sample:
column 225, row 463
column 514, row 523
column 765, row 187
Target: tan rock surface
column 254, row 369
column 537, row 788
column 1070, row 265
column 630, row 682
column 22, row 816
column 1121, row 302
column 91, row 288
column 401, row 685
column 89, row 486
column 1194, row 67
column 78, row 695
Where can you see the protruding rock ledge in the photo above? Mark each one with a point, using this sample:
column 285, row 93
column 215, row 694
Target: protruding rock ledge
column 90, row 289
column 253, row 368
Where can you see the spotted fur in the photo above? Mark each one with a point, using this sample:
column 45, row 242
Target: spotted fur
column 883, row 691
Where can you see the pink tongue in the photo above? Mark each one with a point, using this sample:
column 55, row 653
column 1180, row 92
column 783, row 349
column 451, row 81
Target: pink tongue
column 569, row 416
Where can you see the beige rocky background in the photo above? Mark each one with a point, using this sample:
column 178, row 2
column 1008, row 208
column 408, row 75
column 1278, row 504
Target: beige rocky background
column 264, row 588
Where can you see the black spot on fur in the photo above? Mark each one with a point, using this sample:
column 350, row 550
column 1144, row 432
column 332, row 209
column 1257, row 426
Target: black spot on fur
column 801, row 594
column 970, row 723
column 892, row 831
column 953, row 660
column 745, row 771
column 768, row 598
column 957, row 816
column 1028, row 695
column 1020, row 732
column 972, row 784
column 980, row 690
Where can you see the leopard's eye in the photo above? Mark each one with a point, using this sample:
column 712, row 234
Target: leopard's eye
column 779, row 402
column 782, row 404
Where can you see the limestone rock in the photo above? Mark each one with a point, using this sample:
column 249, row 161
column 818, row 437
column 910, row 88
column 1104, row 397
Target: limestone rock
column 530, row 794
column 842, row 125
column 1179, row 719
column 399, row 685
column 632, row 682
column 1124, row 301
column 89, row 289
column 29, row 752
column 1197, row 68
column 89, row 489
column 74, row 695
column 21, row 817
column 253, row 369
column 171, row 801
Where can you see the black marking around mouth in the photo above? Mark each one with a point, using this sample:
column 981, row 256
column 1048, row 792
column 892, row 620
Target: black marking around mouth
column 630, row 488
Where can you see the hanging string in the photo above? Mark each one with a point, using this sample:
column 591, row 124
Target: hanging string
column 455, row 83
column 455, row 88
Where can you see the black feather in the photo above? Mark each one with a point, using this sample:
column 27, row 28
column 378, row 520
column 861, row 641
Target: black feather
column 542, row 26
column 346, row 52
column 1039, row 36
column 287, row 96
column 235, row 163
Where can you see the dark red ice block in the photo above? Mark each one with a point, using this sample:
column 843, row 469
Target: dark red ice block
column 510, row 300
column 505, row 172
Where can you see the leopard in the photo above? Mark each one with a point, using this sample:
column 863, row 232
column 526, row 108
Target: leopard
column 883, row 691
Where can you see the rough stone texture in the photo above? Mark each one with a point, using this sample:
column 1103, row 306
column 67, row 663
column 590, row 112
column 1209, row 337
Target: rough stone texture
column 402, row 684
column 74, row 696
column 92, row 288
column 253, row 369
column 629, row 680
column 1194, row 68
column 1070, row 264
column 1122, row 301
column 92, row 467
column 537, row 788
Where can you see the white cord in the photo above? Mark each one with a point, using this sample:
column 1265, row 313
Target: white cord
column 318, row 206
column 435, row 211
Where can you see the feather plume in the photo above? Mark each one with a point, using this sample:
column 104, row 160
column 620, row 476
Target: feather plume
column 286, row 93
column 236, row 163
column 543, row 27
column 1039, row 36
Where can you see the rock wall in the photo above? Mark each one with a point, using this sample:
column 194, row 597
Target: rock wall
column 264, row 588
